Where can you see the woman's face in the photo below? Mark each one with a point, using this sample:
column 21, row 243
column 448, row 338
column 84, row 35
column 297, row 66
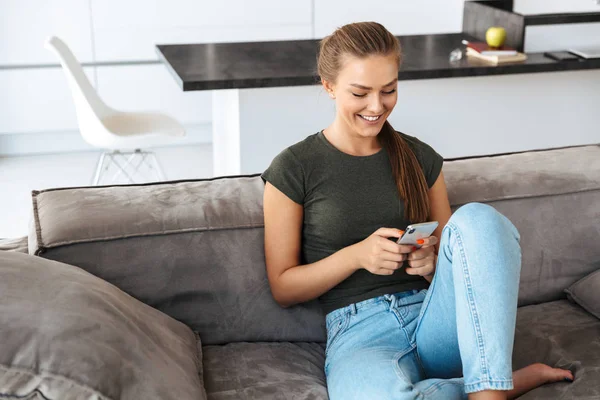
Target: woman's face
column 365, row 93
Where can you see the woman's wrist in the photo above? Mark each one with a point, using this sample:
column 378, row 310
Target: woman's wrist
column 351, row 258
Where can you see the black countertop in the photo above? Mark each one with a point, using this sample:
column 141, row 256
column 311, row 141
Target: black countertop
column 293, row 63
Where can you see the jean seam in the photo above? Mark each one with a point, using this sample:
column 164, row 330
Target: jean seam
column 496, row 384
column 424, row 307
column 399, row 371
column 436, row 386
column 472, row 306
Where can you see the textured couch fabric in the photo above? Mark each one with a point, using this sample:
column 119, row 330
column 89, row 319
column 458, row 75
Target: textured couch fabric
column 586, row 293
column 194, row 250
column 65, row 334
column 265, row 371
column 561, row 334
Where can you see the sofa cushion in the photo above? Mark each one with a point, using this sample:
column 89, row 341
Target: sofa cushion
column 16, row 244
column 586, row 293
column 563, row 335
column 265, row 371
column 553, row 198
column 66, row 334
column 192, row 249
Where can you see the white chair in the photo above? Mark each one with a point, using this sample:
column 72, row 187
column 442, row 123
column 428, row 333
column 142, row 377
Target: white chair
column 123, row 134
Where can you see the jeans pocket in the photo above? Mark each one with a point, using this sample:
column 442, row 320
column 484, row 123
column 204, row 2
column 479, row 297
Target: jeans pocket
column 335, row 330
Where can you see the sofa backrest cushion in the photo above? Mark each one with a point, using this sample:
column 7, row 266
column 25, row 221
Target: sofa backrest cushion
column 192, row 249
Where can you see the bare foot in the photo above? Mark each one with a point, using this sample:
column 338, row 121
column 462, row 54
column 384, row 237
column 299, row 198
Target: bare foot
column 535, row 375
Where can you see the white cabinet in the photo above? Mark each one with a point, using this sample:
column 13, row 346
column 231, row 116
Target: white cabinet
column 25, row 25
column 36, row 100
column 399, row 17
column 130, row 30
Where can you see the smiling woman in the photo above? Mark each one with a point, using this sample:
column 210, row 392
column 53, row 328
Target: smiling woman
column 332, row 202
column 361, row 74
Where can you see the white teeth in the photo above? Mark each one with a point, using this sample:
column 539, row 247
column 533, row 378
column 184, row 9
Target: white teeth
column 368, row 118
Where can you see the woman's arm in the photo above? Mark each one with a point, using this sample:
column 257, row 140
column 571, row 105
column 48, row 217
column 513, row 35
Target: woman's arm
column 292, row 283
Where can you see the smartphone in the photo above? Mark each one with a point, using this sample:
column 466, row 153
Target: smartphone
column 415, row 232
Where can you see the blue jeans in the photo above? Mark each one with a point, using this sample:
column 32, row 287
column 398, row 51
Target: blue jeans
column 439, row 343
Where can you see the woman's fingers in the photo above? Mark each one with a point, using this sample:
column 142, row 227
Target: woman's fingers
column 421, row 267
column 428, row 242
column 391, row 265
column 396, row 248
column 395, row 257
column 421, row 262
column 389, row 232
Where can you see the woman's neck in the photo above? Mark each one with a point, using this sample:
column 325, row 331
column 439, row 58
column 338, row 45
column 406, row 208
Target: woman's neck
column 340, row 136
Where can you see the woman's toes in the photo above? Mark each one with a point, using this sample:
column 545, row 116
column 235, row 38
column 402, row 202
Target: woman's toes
column 567, row 375
column 559, row 374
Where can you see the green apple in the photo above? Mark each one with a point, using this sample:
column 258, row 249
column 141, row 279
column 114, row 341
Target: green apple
column 495, row 36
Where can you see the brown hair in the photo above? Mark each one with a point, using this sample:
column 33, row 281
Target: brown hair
column 361, row 40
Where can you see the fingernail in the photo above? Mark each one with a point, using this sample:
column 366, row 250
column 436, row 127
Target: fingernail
column 568, row 379
column 414, row 248
column 420, row 241
column 401, row 232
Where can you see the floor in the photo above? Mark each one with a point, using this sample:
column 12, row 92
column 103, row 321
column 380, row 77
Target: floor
column 21, row 174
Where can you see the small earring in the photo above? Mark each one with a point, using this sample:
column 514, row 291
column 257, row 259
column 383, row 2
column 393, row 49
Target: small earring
column 331, row 95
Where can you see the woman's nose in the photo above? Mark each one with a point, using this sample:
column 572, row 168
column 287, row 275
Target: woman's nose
column 376, row 105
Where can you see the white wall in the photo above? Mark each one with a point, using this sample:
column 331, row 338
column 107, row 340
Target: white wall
column 527, row 7
column 133, row 31
column 400, row 17
column 127, row 31
column 36, row 103
column 540, row 38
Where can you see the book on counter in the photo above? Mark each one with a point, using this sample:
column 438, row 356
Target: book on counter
column 485, row 50
column 496, row 59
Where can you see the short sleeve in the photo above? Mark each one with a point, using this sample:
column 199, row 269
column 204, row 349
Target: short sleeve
column 432, row 164
column 287, row 175
column 431, row 161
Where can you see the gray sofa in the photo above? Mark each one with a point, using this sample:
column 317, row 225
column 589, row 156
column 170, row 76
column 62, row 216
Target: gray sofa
column 160, row 291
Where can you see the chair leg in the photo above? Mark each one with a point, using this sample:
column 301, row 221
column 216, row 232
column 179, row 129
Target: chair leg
column 122, row 169
column 98, row 169
column 127, row 165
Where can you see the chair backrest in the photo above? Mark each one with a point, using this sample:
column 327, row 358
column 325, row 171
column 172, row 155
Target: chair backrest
column 89, row 106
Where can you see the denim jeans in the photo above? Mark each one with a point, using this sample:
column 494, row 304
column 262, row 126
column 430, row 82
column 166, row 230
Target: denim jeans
column 439, row 343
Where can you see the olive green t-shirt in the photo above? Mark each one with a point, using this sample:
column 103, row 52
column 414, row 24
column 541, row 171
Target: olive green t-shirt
column 346, row 198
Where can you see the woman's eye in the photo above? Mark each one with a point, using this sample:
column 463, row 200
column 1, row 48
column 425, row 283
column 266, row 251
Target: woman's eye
column 390, row 92
column 359, row 95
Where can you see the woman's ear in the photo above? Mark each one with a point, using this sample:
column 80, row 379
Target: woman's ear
column 328, row 88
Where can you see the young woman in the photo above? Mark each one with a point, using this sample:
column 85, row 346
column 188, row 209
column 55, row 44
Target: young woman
column 436, row 322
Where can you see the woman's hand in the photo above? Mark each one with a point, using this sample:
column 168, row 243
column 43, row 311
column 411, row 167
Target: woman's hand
column 379, row 255
column 422, row 261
